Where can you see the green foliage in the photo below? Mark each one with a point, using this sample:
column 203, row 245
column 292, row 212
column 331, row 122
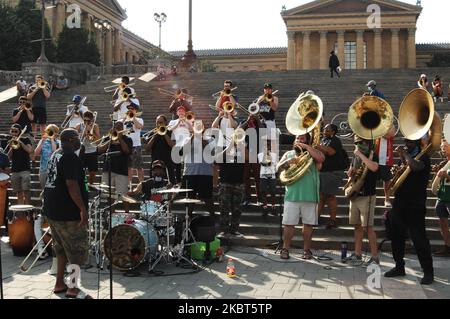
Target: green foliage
column 440, row 60
column 207, row 66
column 74, row 45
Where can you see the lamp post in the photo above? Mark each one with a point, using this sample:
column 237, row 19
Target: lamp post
column 103, row 26
column 189, row 57
column 43, row 58
column 160, row 18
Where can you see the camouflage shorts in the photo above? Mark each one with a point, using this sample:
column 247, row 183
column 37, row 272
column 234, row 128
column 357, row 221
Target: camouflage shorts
column 70, row 241
column 231, row 198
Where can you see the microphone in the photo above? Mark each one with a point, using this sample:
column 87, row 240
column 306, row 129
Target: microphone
column 111, row 154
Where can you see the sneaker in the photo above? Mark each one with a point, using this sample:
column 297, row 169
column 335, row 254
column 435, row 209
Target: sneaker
column 395, row 272
column 372, row 260
column 353, row 259
column 387, row 204
column 428, row 279
column 236, row 234
column 444, row 252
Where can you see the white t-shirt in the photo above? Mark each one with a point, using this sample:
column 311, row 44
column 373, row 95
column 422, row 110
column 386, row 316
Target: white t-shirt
column 76, row 119
column 181, row 133
column 382, row 157
column 22, row 84
column 136, row 135
column 226, row 131
column 268, row 171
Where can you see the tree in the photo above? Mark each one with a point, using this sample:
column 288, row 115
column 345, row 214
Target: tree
column 74, row 45
column 440, row 60
column 28, row 16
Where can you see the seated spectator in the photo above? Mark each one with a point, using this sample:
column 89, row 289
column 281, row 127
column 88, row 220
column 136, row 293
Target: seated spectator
column 62, row 83
column 21, row 87
column 174, row 70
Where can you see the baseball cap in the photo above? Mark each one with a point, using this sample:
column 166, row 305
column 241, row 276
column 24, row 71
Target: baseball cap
column 371, row 83
column 76, row 99
column 268, row 85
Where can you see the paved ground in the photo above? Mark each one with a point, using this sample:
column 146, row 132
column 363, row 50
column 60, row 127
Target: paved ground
column 261, row 275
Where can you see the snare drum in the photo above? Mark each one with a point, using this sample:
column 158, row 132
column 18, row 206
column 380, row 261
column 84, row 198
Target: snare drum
column 131, row 244
column 4, row 183
column 21, row 229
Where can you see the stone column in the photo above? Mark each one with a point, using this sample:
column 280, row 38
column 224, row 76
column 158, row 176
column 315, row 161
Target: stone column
column 378, row 59
column 86, row 23
column 60, row 18
column 395, row 49
column 99, row 41
column 411, row 50
column 117, row 46
column 108, row 48
column 323, row 50
column 291, row 50
column 341, row 47
column 306, row 50
column 360, row 49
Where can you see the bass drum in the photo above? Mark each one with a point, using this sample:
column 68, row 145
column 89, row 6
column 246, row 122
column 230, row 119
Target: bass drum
column 131, row 244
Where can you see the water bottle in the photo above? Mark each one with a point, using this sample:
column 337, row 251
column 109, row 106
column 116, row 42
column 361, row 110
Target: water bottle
column 344, row 248
column 231, row 269
column 219, row 254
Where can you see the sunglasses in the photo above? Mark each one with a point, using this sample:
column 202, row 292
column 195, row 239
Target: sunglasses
column 14, row 132
column 87, row 120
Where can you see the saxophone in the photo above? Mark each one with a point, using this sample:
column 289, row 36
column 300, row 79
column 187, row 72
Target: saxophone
column 356, row 181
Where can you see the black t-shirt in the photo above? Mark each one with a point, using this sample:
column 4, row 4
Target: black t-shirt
column 4, row 161
column 58, row 204
column 232, row 173
column 266, row 111
column 39, row 100
column 150, row 190
column 370, row 183
column 414, row 188
column 334, row 162
column 20, row 158
column 119, row 164
column 24, row 121
column 161, row 151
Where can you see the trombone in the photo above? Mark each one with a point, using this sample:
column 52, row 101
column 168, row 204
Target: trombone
column 160, row 130
column 269, row 97
column 14, row 144
column 22, row 265
column 75, row 110
column 90, row 134
column 226, row 92
column 190, row 116
column 121, row 86
column 42, row 84
column 178, row 93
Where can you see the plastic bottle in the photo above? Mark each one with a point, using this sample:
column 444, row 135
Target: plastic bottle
column 344, row 247
column 219, row 254
column 231, row 269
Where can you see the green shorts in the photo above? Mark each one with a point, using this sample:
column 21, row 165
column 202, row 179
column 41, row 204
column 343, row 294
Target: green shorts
column 70, row 241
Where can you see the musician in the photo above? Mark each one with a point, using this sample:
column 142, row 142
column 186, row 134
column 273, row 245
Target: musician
column 423, row 82
column 198, row 171
column 20, row 166
column 149, row 188
column 227, row 85
column 384, row 148
column 119, row 164
column 252, row 167
column 121, row 106
column 268, row 183
column 62, row 83
column 23, row 114
column 441, row 188
column 75, row 112
column 135, row 124
column 160, row 148
column 438, row 91
column 331, row 174
column 66, row 207
column 180, row 127
column 118, row 92
column 268, row 109
column 39, row 97
column 45, row 149
column 89, row 132
column 408, row 213
column 302, row 197
column 362, row 204
column 231, row 194
column 180, row 101
column 21, row 86
column 373, row 91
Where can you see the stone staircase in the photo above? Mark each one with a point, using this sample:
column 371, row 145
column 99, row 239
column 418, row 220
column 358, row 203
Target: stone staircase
column 337, row 95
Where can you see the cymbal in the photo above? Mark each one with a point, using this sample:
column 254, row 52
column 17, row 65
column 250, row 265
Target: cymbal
column 100, row 187
column 186, row 201
column 175, row 191
column 128, row 199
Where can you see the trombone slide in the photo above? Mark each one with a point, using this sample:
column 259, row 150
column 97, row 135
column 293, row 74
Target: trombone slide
column 22, row 265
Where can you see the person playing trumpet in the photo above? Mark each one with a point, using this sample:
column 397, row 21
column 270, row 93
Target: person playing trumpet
column 268, row 106
column 38, row 94
column 180, row 127
column 20, row 164
column 23, row 114
column 89, row 132
column 135, row 124
column 45, row 149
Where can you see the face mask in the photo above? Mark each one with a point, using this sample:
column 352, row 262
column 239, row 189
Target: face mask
column 158, row 179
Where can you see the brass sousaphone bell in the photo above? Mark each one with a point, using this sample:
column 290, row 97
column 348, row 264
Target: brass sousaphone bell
column 303, row 117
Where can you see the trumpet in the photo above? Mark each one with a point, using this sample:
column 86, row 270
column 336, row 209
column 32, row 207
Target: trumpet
column 26, row 106
column 115, row 134
column 237, row 137
column 121, row 86
column 50, row 132
column 226, row 92
column 269, row 97
column 190, row 116
column 159, row 130
column 42, row 84
column 15, row 142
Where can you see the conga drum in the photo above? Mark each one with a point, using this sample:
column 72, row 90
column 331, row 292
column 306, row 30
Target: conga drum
column 4, row 183
column 21, row 229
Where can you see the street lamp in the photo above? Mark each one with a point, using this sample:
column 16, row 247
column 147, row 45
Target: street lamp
column 160, row 18
column 104, row 26
column 43, row 58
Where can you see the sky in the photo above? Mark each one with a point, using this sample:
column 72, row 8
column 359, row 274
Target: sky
column 246, row 23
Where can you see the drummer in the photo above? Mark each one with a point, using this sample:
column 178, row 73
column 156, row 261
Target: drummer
column 149, row 189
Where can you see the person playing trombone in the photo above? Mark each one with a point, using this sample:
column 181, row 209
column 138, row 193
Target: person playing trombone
column 39, row 93
column 268, row 105
column 45, row 148
column 226, row 95
column 75, row 111
column 126, row 98
column 121, row 87
column 181, row 99
column 23, row 114
column 89, row 131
